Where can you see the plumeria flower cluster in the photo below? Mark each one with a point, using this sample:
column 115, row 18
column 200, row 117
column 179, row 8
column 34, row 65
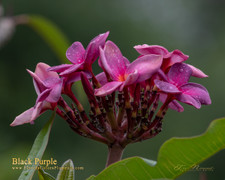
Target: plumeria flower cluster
column 128, row 100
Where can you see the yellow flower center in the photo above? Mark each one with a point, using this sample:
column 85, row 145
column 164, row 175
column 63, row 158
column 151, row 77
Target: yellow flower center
column 122, row 78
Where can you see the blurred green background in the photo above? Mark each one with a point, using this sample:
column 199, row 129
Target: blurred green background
column 195, row 27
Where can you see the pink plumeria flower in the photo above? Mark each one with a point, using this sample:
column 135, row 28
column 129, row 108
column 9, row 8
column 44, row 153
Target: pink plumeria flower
column 122, row 72
column 48, row 87
column 169, row 58
column 80, row 58
column 190, row 93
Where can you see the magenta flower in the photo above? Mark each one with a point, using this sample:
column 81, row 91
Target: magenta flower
column 190, row 93
column 121, row 72
column 80, row 58
column 48, row 87
column 169, row 58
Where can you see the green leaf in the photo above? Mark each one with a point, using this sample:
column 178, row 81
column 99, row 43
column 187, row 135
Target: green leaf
column 67, row 171
column 175, row 157
column 44, row 175
column 37, row 150
column 51, row 34
column 91, row 177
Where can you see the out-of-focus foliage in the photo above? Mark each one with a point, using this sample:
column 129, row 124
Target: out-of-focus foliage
column 51, row 34
column 195, row 27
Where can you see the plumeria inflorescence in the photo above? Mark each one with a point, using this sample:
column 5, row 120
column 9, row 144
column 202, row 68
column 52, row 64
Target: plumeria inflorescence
column 124, row 99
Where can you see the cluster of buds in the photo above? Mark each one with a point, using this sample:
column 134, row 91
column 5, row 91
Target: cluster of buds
column 124, row 98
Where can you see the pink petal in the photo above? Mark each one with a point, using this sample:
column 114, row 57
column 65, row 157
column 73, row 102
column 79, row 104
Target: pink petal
column 162, row 75
column 42, row 72
column 71, row 78
column 176, row 56
column 154, row 49
column 131, row 79
column 187, row 99
column 108, row 88
column 126, row 61
column 179, row 74
column 40, row 108
column 197, row 91
column 37, row 111
column 59, row 68
column 174, row 105
column 51, row 82
column 166, row 87
column 92, row 51
column 102, row 79
column 23, row 118
column 75, row 53
column 38, row 83
column 55, row 93
column 43, row 95
column 112, row 61
column 197, row 72
column 100, row 63
column 31, row 114
column 146, row 66
column 72, row 69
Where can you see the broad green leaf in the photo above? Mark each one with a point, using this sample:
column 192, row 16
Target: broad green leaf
column 51, row 34
column 150, row 162
column 175, row 157
column 67, row 171
column 42, row 175
column 37, row 150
